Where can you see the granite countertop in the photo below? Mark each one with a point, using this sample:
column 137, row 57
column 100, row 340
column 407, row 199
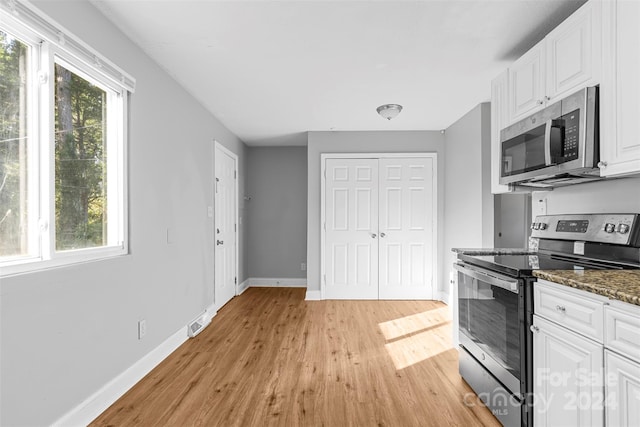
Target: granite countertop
column 622, row 285
column 492, row 251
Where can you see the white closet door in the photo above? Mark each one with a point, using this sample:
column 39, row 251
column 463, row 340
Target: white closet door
column 351, row 236
column 406, row 228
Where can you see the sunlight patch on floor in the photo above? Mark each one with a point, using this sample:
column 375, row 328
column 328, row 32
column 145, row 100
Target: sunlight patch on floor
column 421, row 346
column 397, row 328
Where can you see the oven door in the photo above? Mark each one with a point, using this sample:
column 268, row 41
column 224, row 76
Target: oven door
column 491, row 320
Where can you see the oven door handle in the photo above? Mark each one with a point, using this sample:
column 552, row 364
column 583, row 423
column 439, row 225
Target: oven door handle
column 510, row 285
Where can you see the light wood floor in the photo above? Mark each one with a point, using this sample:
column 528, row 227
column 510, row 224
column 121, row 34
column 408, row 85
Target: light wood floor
column 269, row 358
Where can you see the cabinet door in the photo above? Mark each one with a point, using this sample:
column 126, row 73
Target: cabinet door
column 623, row 390
column 567, row 371
column 573, row 52
column 526, row 83
column 620, row 89
column 499, row 119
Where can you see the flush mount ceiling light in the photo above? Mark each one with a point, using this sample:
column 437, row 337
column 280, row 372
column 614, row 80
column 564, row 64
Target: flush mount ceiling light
column 389, row 111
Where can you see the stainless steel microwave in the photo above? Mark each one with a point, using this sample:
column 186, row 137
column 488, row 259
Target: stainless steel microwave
column 558, row 145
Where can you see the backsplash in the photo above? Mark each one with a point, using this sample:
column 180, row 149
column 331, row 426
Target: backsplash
column 620, row 195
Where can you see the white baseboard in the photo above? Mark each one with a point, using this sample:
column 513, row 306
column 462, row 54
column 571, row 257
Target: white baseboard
column 274, row 282
column 313, row 296
column 444, row 297
column 211, row 312
column 243, row 287
column 99, row 401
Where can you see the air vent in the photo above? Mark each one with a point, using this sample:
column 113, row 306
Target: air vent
column 198, row 325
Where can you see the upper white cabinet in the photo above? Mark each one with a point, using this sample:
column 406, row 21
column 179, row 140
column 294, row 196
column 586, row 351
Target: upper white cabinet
column 568, row 59
column 526, row 84
column 499, row 119
column 620, row 89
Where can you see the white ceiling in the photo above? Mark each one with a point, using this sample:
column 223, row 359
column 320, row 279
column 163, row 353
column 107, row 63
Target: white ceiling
column 273, row 70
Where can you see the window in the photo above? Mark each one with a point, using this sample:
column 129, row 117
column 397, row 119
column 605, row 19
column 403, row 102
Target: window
column 62, row 147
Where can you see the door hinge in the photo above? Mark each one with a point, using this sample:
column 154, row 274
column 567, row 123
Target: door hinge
column 325, row 279
column 325, row 174
column 235, row 280
column 324, row 226
column 235, row 227
column 235, row 174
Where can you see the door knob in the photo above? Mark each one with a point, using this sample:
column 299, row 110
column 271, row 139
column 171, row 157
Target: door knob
column 219, row 242
column 382, row 235
column 373, row 235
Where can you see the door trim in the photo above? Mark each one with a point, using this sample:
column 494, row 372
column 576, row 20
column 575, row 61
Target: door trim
column 323, row 177
column 234, row 156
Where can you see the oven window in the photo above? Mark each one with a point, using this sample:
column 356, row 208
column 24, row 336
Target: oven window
column 489, row 316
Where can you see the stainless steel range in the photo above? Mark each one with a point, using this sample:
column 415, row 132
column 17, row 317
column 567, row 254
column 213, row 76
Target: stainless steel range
column 495, row 300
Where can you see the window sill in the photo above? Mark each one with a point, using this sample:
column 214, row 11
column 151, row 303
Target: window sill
column 34, row 265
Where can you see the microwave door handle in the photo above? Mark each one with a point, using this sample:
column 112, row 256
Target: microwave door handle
column 551, row 157
column 547, row 143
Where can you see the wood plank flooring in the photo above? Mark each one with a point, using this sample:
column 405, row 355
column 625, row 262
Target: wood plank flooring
column 269, row 358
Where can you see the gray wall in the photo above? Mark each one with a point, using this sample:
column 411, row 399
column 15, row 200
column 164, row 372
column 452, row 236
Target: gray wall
column 609, row 196
column 277, row 212
column 68, row 331
column 362, row 142
column 468, row 202
column 512, row 220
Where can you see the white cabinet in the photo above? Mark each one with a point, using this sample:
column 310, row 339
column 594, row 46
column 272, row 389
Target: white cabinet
column 622, row 390
column 622, row 364
column 561, row 359
column 620, row 89
column 526, row 83
column 499, row 119
column 568, row 59
column 568, row 352
column 586, row 358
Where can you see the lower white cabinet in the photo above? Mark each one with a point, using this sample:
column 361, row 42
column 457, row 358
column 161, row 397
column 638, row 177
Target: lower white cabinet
column 622, row 390
column 565, row 392
column 586, row 359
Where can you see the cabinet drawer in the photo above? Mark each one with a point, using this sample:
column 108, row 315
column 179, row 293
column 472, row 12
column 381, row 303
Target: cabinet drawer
column 574, row 309
column 622, row 331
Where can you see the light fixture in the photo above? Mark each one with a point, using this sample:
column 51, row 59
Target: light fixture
column 389, row 111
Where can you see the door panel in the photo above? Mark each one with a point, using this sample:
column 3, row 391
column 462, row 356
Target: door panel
column 225, row 228
column 351, row 243
column 406, row 228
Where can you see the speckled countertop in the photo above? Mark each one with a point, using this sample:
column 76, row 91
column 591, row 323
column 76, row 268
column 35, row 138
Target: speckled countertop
column 623, row 285
column 492, row 251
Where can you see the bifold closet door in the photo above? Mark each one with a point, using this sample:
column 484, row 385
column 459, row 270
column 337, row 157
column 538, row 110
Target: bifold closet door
column 379, row 228
column 351, row 229
column 406, row 228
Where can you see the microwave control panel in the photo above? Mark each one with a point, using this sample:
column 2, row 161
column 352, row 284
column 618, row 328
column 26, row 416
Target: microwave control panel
column 571, row 135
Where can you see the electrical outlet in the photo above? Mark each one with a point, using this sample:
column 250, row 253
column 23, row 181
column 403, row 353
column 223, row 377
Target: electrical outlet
column 540, row 206
column 142, row 328
column 303, row 266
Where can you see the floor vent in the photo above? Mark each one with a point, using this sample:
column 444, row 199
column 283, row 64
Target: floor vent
column 198, row 325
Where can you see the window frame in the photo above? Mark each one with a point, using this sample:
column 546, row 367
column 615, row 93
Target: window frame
column 68, row 51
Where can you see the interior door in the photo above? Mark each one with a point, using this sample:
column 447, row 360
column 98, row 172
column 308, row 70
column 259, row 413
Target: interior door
column 406, row 226
column 351, row 229
column 225, row 227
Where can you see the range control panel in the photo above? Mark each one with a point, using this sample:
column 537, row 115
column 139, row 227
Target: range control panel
column 621, row 229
